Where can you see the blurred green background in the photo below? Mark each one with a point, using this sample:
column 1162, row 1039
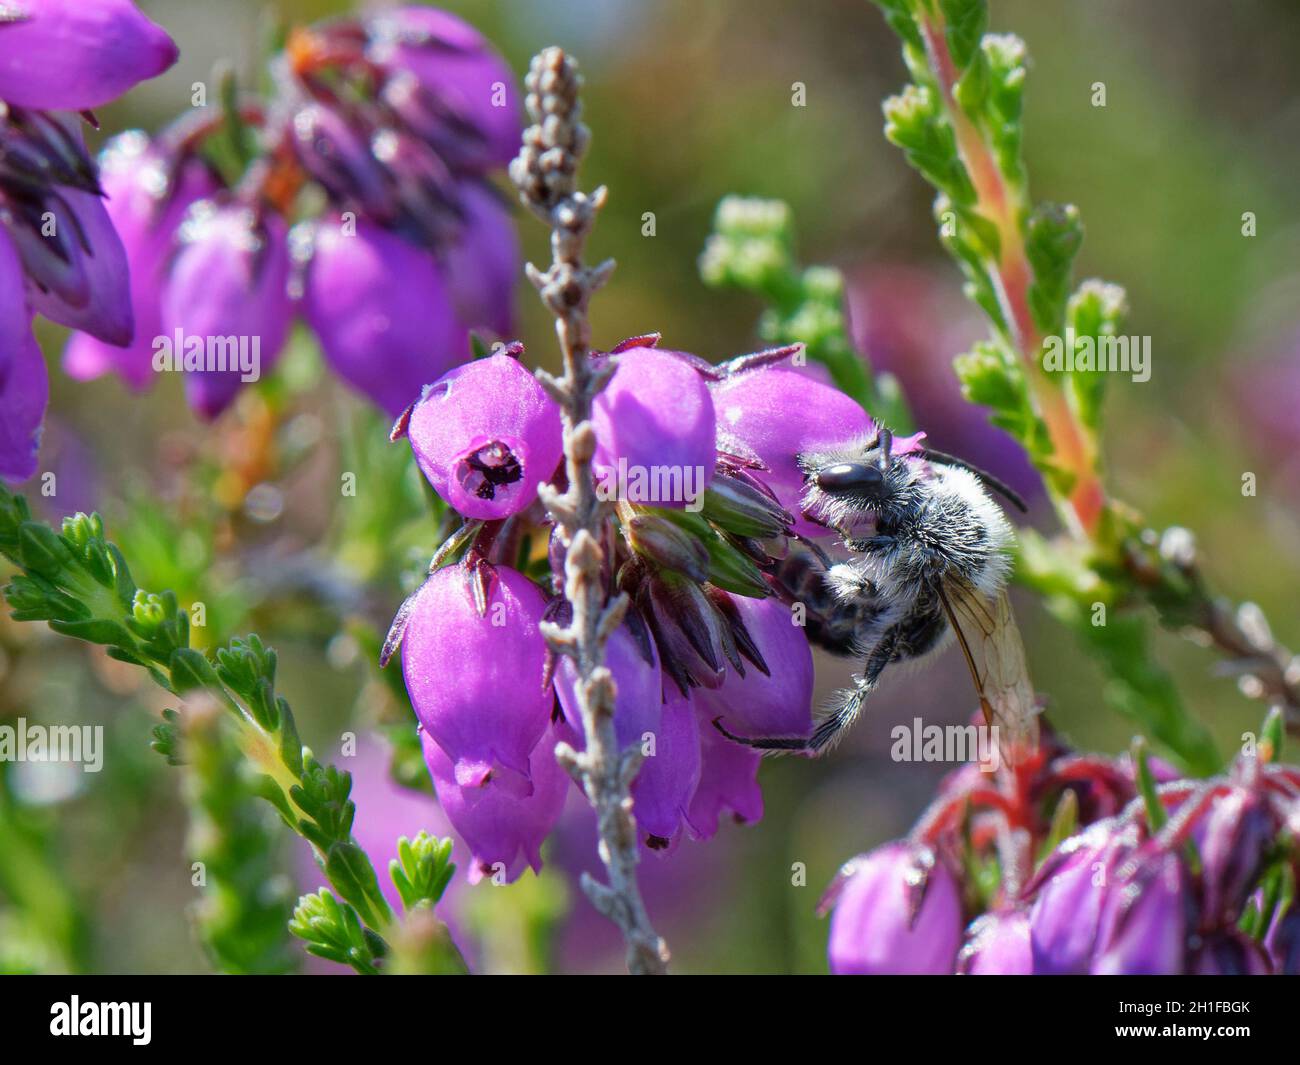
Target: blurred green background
column 689, row 101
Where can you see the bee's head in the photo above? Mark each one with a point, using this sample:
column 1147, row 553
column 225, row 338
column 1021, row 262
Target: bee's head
column 862, row 481
column 856, row 481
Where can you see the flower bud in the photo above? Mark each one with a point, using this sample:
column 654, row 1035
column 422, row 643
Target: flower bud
column 740, row 508
column 503, row 829
column 486, row 435
column 476, row 681
column 897, row 911
column 654, row 430
column 382, row 311
column 228, row 293
column 661, row 541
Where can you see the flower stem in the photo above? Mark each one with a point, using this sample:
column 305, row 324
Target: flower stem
column 545, row 173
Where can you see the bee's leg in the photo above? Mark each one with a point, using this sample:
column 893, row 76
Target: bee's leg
column 846, row 711
column 844, row 714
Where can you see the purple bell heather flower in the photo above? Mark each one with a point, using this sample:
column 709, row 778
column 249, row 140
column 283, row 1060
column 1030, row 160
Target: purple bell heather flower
column 382, row 311
column 15, row 317
column 997, row 944
column 504, row 830
column 897, row 911
column 638, row 705
column 768, row 704
column 24, row 392
column 96, row 297
column 1230, row 953
column 662, row 791
column 1067, row 908
column 1233, row 839
column 1144, row 922
column 482, row 263
column 654, row 414
column 728, row 780
column 768, row 411
column 457, row 68
column 476, row 681
column 73, row 55
column 227, row 289
column 145, row 204
column 486, row 435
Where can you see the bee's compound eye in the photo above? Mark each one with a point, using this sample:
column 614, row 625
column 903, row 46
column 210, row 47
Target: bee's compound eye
column 849, row 477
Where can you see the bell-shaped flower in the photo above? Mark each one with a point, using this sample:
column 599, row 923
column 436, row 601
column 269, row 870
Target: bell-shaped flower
column 634, row 664
column 226, row 309
column 476, row 680
column 24, row 393
column 997, row 944
column 662, row 791
column 74, row 55
column 94, row 293
column 774, row 700
column 655, row 431
column 486, row 435
column 1072, row 889
column 897, row 912
column 503, row 829
column 728, row 781
column 1146, row 920
column 145, row 202
column 382, row 311
column 470, row 84
column 777, row 413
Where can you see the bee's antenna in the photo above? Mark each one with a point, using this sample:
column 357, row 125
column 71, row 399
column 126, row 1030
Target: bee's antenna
column 987, row 478
column 885, row 441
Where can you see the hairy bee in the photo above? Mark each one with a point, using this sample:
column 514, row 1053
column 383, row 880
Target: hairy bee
column 931, row 559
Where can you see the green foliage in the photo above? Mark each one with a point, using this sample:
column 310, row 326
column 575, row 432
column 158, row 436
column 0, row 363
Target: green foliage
column 422, row 870
column 333, row 931
column 245, row 905
column 80, row 584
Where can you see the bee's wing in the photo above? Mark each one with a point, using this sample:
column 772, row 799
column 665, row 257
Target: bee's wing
column 995, row 654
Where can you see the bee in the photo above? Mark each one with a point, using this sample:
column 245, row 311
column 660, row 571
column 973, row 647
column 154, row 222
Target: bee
column 930, row 561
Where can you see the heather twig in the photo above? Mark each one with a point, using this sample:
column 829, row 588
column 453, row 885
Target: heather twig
column 545, row 173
